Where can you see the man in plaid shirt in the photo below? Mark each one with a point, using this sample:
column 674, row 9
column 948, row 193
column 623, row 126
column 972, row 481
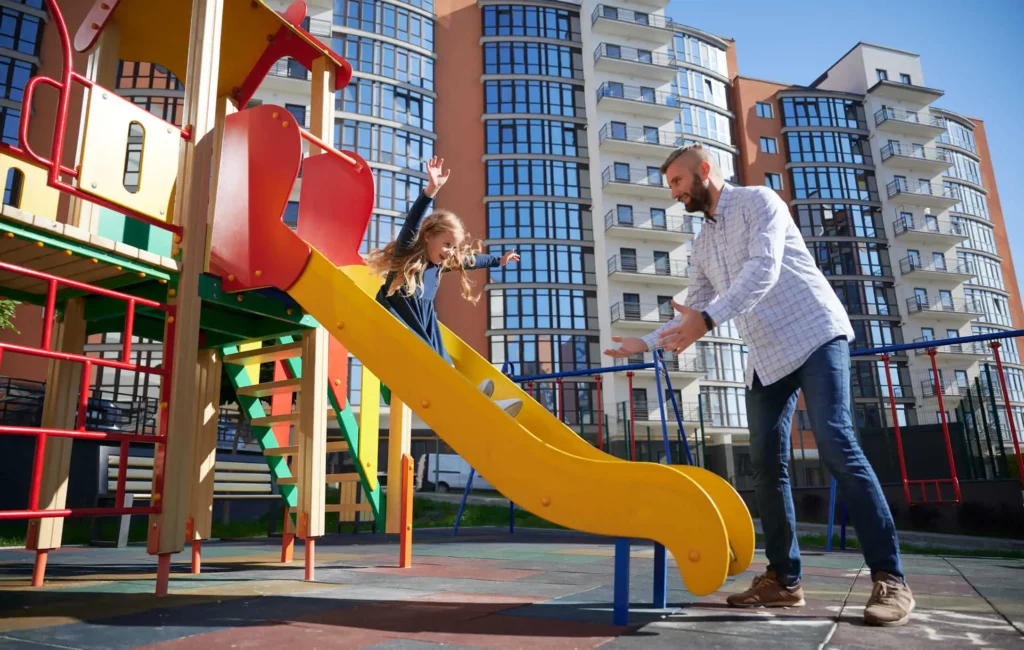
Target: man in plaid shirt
column 750, row 264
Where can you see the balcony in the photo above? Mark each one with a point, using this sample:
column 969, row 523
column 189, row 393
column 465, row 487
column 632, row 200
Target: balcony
column 904, row 93
column 952, row 309
column 950, row 388
column 645, row 317
column 631, row 62
column 685, row 368
column 929, row 230
column 638, row 140
column 936, row 196
column 928, row 161
column 909, row 123
column 940, row 270
column 634, row 181
column 959, row 352
column 644, row 226
column 626, row 23
column 639, row 100
column 647, row 413
column 649, row 270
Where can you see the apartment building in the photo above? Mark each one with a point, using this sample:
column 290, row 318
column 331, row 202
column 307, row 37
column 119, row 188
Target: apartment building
column 897, row 201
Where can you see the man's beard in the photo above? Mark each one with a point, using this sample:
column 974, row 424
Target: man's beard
column 700, row 197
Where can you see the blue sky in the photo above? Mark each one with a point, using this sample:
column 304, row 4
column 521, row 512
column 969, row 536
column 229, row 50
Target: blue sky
column 971, row 49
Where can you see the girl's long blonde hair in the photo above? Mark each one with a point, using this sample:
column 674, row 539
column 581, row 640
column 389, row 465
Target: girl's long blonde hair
column 409, row 263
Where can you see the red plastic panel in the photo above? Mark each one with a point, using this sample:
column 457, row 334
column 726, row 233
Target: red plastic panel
column 99, row 15
column 251, row 247
column 335, row 205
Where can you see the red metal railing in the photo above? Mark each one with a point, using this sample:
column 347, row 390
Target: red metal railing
column 80, row 432
column 56, row 168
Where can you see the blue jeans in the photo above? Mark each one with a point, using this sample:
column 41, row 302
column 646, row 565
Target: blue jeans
column 825, row 381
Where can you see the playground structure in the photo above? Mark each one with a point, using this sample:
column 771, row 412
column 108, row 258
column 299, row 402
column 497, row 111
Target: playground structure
column 240, row 289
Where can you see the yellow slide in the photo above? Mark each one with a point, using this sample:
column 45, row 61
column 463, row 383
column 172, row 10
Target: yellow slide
column 533, row 459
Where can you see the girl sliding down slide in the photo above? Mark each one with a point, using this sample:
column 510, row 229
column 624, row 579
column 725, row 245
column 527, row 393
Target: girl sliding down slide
column 414, row 263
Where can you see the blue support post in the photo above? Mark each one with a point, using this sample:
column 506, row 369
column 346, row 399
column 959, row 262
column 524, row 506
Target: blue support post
column 511, row 517
column 831, row 516
column 679, row 417
column 660, row 577
column 462, row 506
column 620, row 611
column 658, row 365
column 842, row 527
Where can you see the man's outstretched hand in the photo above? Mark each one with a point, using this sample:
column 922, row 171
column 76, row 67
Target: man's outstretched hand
column 677, row 338
column 628, row 347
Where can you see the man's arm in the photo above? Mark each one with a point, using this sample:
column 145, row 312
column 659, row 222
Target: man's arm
column 761, row 271
column 701, row 293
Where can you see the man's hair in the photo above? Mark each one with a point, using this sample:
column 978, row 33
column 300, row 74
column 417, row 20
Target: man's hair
column 693, row 149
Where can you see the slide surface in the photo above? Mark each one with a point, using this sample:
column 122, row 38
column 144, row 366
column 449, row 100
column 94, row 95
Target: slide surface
column 534, row 460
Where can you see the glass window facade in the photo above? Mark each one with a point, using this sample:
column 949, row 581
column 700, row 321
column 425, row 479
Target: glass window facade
column 697, row 85
column 828, row 146
column 697, row 52
column 823, row 111
column 387, row 102
column 388, row 19
column 851, row 258
column 839, row 220
column 397, row 191
column 964, row 167
column 697, row 120
column 21, row 37
column 726, row 406
column 972, row 201
column 384, row 144
column 538, row 177
column 994, row 306
column 543, row 353
column 536, row 136
column 538, row 220
column 534, row 98
column 833, row 183
column 866, row 297
column 536, row 22
column 547, row 264
column 537, row 59
column 958, row 135
column 562, row 309
column 987, row 271
column 980, row 236
column 724, row 361
column 373, row 56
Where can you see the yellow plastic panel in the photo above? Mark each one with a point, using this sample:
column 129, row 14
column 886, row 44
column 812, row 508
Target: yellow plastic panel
column 37, row 197
column 369, row 426
column 104, row 151
column 595, row 495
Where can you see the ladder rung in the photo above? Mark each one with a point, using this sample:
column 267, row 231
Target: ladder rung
column 288, row 480
column 348, row 477
column 271, row 388
column 267, row 353
column 339, row 445
column 290, row 450
column 271, row 420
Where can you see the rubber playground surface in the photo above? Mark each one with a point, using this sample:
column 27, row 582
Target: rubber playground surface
column 483, row 589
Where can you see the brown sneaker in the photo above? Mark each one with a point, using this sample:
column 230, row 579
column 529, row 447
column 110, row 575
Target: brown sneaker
column 767, row 591
column 891, row 602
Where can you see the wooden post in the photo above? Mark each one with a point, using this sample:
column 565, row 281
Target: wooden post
column 405, row 540
column 399, row 445
column 311, row 465
column 194, row 200
column 205, row 457
column 60, row 405
column 348, row 498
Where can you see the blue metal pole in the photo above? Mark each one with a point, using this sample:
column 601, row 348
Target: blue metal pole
column 511, row 517
column 831, row 516
column 659, row 362
column 462, row 506
column 660, row 577
column 620, row 610
column 842, row 528
column 679, row 417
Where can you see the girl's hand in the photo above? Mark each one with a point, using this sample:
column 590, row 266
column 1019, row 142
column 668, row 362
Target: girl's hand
column 437, row 177
column 511, row 256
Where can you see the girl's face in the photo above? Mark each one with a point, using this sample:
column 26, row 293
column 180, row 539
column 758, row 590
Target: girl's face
column 441, row 246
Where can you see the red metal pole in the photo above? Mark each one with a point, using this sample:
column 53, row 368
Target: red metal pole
column 48, row 314
column 632, row 419
column 122, row 473
column 561, row 401
column 39, row 570
column 600, row 415
column 896, row 426
column 37, row 472
column 129, row 324
column 310, row 557
column 163, row 574
column 83, row 397
column 405, row 519
column 1009, row 412
column 197, row 546
column 945, row 428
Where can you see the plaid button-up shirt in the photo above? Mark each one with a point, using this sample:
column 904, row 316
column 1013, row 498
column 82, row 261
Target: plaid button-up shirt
column 751, row 264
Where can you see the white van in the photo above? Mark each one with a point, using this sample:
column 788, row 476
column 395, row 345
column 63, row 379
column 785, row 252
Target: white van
column 449, row 471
